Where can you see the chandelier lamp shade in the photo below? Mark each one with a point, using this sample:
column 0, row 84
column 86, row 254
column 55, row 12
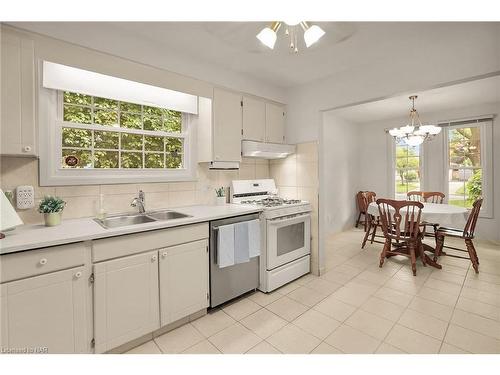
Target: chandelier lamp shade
column 414, row 133
column 269, row 34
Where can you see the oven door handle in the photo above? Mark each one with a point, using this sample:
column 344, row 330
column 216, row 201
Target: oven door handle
column 283, row 219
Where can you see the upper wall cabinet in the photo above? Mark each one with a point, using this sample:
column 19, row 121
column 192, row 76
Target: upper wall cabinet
column 17, row 96
column 254, row 119
column 227, row 125
column 275, row 123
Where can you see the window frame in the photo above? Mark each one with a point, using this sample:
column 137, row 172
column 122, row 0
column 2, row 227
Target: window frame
column 50, row 136
column 486, row 134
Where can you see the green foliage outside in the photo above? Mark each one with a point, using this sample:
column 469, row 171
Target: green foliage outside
column 407, row 165
column 159, row 152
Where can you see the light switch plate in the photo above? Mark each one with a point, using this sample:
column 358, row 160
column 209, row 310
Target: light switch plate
column 25, row 197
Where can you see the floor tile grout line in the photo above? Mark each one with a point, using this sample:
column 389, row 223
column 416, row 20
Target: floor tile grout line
column 453, row 312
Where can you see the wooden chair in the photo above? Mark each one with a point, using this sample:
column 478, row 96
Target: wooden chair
column 467, row 234
column 363, row 199
column 415, row 196
column 433, row 197
column 400, row 221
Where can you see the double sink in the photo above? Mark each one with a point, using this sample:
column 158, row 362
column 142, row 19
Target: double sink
column 123, row 220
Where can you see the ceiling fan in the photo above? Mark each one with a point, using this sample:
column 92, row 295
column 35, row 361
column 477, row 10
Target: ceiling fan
column 312, row 33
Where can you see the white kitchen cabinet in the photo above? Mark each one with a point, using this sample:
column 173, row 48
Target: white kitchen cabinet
column 227, row 125
column 46, row 311
column 183, row 280
column 126, row 303
column 17, row 95
column 254, row 119
column 275, row 123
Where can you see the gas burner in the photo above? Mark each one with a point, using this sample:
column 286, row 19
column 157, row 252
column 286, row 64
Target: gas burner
column 271, row 201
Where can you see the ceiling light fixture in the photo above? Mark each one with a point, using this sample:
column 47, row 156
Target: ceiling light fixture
column 312, row 33
column 414, row 133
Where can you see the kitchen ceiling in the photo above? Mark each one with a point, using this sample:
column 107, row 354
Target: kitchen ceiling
column 233, row 45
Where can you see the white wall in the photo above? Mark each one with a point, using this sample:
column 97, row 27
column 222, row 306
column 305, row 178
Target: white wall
column 162, row 68
column 373, row 169
column 339, row 173
column 465, row 51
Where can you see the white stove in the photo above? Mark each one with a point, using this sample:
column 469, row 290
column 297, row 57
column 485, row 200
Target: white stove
column 285, row 228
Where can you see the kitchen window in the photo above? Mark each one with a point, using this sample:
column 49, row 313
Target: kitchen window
column 101, row 133
column 100, row 129
column 407, row 169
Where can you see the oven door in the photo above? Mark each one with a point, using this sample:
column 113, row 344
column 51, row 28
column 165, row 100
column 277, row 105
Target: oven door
column 288, row 238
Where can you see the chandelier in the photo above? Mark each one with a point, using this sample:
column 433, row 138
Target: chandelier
column 312, row 33
column 414, row 133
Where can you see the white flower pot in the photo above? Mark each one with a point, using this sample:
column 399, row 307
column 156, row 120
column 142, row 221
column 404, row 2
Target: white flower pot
column 220, row 201
column 52, row 219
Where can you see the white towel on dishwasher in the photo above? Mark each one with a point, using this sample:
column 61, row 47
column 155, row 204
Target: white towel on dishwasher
column 225, row 246
column 241, row 250
column 254, row 238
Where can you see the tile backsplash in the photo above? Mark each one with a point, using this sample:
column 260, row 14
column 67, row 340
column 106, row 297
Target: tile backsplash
column 83, row 200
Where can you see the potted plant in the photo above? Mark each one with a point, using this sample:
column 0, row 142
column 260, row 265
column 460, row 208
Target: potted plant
column 51, row 208
column 221, row 196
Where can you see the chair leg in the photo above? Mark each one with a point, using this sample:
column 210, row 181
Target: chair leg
column 475, row 252
column 472, row 255
column 359, row 218
column 383, row 254
column 413, row 259
column 366, row 222
column 374, row 227
column 439, row 247
column 422, row 254
column 435, row 226
column 367, row 233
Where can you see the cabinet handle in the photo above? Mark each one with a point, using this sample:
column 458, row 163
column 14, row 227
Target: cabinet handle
column 153, row 258
column 43, row 261
column 78, row 274
column 27, row 148
column 164, row 255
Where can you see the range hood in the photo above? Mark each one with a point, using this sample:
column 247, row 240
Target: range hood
column 252, row 149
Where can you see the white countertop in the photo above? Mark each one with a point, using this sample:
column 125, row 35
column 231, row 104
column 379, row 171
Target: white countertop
column 26, row 237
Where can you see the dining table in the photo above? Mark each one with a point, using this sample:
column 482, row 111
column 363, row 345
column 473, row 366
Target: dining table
column 445, row 215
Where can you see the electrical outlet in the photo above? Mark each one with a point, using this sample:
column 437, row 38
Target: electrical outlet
column 25, row 197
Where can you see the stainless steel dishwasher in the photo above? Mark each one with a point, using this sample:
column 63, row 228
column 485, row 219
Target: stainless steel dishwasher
column 233, row 281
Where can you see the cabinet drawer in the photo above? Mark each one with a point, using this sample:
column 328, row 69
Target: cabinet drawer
column 36, row 262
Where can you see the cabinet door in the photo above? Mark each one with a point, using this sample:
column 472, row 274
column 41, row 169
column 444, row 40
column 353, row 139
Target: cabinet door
column 18, row 96
column 126, row 302
column 254, row 119
column 46, row 311
column 227, row 126
column 183, row 280
column 275, row 123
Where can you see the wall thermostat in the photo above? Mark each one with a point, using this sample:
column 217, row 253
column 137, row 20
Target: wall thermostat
column 25, row 197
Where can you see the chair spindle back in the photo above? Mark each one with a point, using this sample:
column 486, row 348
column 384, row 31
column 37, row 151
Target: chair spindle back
column 433, row 197
column 470, row 226
column 400, row 219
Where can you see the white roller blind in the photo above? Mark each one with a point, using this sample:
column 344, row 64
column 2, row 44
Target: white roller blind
column 66, row 78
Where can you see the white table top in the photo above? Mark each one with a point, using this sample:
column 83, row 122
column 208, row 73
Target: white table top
column 442, row 214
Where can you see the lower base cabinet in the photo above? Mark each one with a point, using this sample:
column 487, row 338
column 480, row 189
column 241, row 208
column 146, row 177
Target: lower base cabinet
column 46, row 311
column 126, row 303
column 183, row 280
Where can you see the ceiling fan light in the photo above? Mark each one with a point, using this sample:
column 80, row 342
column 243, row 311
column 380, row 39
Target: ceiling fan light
column 267, row 36
column 312, row 35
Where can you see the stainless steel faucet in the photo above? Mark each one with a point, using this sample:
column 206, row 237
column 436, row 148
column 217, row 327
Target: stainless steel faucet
column 140, row 202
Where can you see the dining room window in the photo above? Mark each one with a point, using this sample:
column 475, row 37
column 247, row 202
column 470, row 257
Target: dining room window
column 407, row 169
column 469, row 161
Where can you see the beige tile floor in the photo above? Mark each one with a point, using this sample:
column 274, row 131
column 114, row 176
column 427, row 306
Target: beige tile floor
column 357, row 307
